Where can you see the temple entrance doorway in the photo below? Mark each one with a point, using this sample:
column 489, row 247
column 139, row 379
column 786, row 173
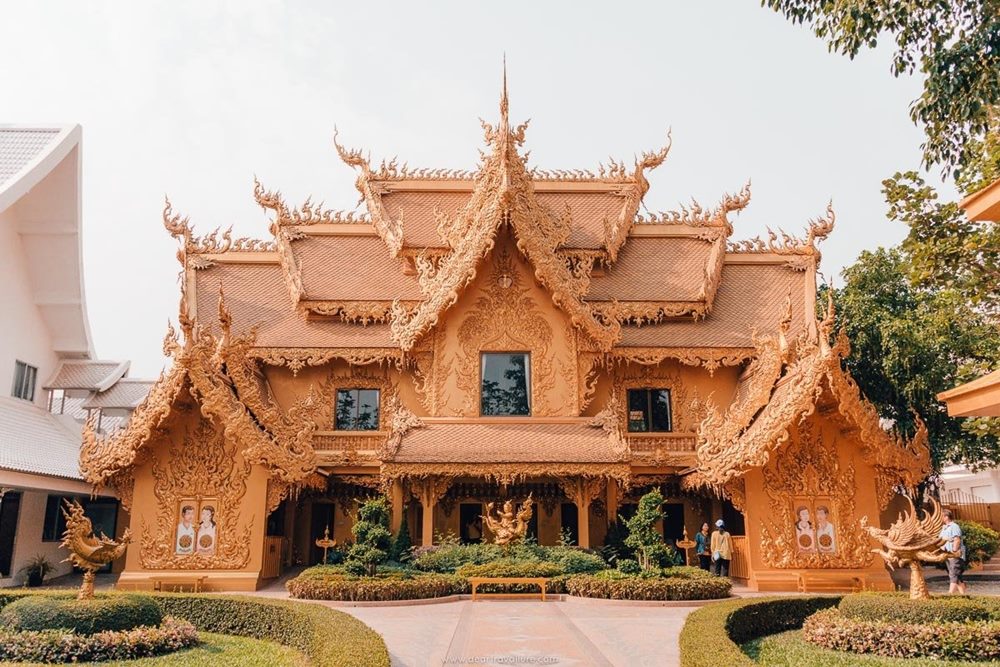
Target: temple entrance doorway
column 570, row 522
column 471, row 522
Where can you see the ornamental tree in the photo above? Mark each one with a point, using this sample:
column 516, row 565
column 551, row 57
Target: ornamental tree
column 953, row 44
column 650, row 550
column 372, row 539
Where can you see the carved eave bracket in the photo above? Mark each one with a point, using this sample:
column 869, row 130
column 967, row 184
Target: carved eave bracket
column 802, row 254
column 388, row 228
column 616, row 231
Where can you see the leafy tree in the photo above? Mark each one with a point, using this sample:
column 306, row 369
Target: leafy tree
column 650, row 550
column 403, row 544
column 954, row 44
column 372, row 538
column 908, row 343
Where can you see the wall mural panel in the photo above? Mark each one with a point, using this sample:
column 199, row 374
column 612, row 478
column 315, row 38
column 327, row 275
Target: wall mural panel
column 199, row 486
column 811, row 521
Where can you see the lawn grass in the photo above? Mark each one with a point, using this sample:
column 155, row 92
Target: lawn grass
column 215, row 650
column 788, row 649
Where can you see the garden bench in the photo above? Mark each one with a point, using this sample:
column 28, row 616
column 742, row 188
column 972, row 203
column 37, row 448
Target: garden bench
column 195, row 581
column 830, row 581
column 538, row 581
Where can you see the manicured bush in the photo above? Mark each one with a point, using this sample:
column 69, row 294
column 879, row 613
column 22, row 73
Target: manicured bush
column 981, row 543
column 573, row 560
column 330, row 583
column 971, row 640
column 712, row 635
column 329, row 638
column 402, row 545
column 643, row 537
column 510, row 568
column 614, row 585
column 900, row 608
column 789, row 649
column 85, row 617
column 373, row 539
column 450, row 555
column 67, row 646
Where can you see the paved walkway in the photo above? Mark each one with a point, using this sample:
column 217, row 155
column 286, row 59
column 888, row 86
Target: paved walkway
column 492, row 632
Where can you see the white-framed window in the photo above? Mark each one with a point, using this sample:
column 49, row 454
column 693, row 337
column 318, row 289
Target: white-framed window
column 25, row 376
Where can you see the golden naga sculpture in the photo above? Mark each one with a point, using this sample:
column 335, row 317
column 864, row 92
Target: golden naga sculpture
column 508, row 526
column 909, row 541
column 88, row 551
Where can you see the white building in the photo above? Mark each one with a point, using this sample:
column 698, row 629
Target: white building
column 49, row 380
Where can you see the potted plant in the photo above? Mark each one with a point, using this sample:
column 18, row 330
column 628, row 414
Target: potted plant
column 36, row 570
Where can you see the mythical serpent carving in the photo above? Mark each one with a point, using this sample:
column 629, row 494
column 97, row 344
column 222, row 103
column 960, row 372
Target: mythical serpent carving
column 909, row 541
column 88, row 551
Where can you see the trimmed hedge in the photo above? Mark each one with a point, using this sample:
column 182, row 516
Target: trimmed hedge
column 789, row 649
column 971, row 640
column 900, row 608
column 712, row 635
column 449, row 556
column 981, row 542
column 85, row 617
column 68, row 646
column 329, row 638
column 627, row 587
column 332, row 583
column 510, row 568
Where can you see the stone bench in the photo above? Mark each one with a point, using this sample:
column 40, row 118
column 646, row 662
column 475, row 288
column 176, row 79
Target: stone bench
column 538, row 581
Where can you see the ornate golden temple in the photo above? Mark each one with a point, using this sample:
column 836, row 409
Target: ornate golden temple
column 479, row 336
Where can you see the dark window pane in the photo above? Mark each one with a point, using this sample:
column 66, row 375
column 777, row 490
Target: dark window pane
column 367, row 410
column 506, row 382
column 357, row 410
column 661, row 409
column 638, row 410
column 347, row 405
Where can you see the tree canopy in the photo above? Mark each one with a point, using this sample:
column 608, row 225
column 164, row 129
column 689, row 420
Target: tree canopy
column 953, row 44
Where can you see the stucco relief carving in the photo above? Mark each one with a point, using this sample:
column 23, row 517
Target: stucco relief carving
column 202, row 465
column 809, row 467
column 502, row 302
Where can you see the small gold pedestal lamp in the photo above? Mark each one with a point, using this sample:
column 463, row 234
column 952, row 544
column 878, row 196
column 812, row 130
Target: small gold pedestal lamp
column 325, row 543
column 686, row 545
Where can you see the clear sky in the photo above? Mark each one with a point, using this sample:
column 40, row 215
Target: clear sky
column 192, row 99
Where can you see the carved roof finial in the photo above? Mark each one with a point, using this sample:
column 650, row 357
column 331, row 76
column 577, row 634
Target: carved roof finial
column 504, row 104
column 784, row 327
column 826, row 325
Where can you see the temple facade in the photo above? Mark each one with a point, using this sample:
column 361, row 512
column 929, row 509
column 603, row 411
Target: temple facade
column 492, row 334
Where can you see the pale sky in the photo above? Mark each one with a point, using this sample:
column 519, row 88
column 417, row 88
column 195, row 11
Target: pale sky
column 192, row 99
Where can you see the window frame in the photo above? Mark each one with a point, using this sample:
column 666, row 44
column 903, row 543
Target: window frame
column 527, row 379
column 25, row 381
column 649, row 410
column 56, row 522
column 359, row 389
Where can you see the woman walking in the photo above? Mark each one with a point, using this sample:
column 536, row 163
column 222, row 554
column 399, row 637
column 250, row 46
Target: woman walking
column 722, row 549
column 701, row 544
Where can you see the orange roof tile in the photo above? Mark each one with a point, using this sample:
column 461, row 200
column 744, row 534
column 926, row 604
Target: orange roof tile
column 256, row 296
column 751, row 296
column 351, row 268
column 516, row 441
column 654, row 269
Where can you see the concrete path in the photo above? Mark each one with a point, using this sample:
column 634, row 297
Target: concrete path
column 493, row 632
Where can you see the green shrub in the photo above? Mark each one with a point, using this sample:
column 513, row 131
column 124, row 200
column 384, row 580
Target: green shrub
column 448, row 556
column 899, row 607
column 711, row 635
column 510, row 568
column 629, row 566
column 85, row 617
column 67, row 646
column 573, row 560
column 335, row 584
column 643, row 538
column 788, row 648
column 615, row 585
column 373, row 539
column 329, row 638
column 981, row 543
column 972, row 640
column 402, row 545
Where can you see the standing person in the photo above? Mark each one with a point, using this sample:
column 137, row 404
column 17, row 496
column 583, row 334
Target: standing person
column 701, row 540
column 722, row 548
column 951, row 533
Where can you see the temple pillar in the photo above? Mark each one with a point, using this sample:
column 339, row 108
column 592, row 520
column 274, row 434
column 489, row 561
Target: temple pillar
column 612, row 502
column 583, row 522
column 427, row 537
column 429, row 491
column 396, row 496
